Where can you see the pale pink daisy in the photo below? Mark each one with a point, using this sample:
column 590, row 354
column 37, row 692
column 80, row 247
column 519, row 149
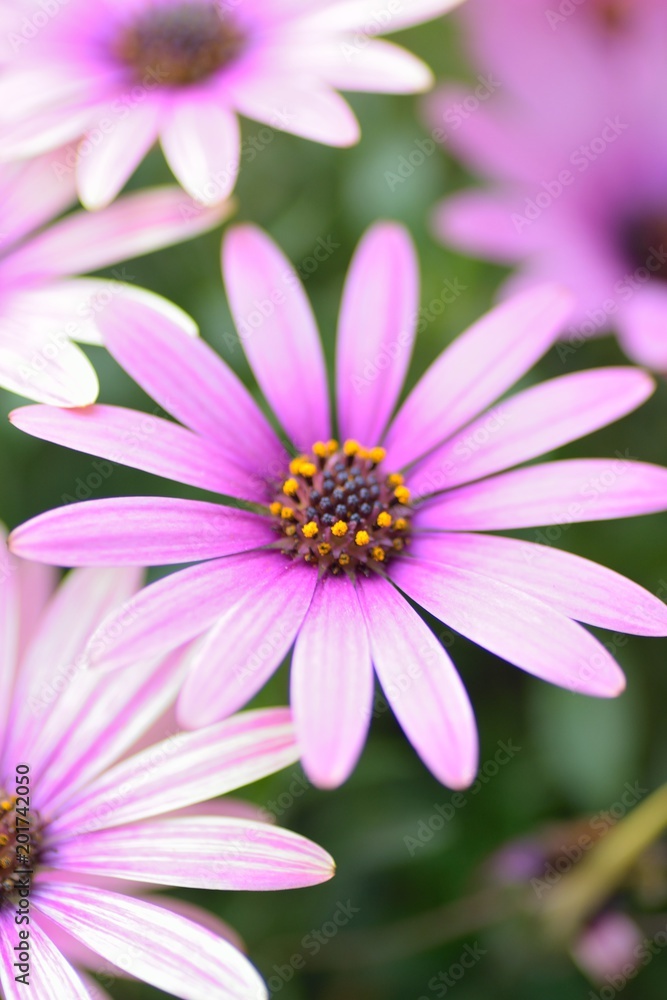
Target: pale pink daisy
column 124, row 73
column 89, row 823
column 339, row 533
column 43, row 308
column 571, row 132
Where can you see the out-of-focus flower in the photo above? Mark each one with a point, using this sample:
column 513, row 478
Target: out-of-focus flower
column 571, row 129
column 123, row 74
column 339, row 532
column 80, row 812
column 43, row 309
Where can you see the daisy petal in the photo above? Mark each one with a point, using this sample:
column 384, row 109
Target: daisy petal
column 162, row 948
column 109, row 164
column 381, row 298
column 421, row 684
column 310, row 111
column 353, row 15
column 253, row 634
column 532, row 423
column 512, row 625
column 50, row 976
column 601, row 596
column 277, row 328
column 378, row 67
column 182, row 770
column 10, row 612
column 580, row 489
column 202, row 143
column 475, row 370
column 141, row 441
column 44, row 366
column 642, row 323
column 199, row 852
column 332, row 684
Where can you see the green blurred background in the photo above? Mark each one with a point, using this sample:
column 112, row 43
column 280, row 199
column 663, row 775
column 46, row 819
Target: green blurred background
column 576, row 754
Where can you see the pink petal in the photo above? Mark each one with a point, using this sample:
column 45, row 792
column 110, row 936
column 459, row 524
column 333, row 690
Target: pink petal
column 381, row 298
column 352, row 15
column 50, row 976
column 104, row 170
column 642, row 327
column 555, row 493
column 192, row 383
column 162, row 948
column 32, row 194
column 136, row 224
column 378, row 67
column 278, row 332
column 180, row 771
column 475, row 370
column 479, row 224
column 532, row 423
column 421, row 684
column 200, row 852
column 44, row 367
column 254, row 632
column 202, row 143
column 332, row 683
column 10, row 612
column 512, row 625
column 141, row 441
column 310, row 110
column 138, row 531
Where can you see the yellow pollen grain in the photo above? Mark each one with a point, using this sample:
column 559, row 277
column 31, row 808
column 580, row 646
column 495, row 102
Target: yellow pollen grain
column 276, row 508
column 398, row 544
column 339, row 529
column 332, row 446
column 377, row 455
column 362, row 538
column 310, row 530
column 287, row 513
column 351, row 448
column 321, row 449
column 296, row 463
column 308, row 469
column 343, row 559
column 401, row 524
column 6, row 805
column 324, row 548
column 384, row 519
column 290, row 487
column 402, row 494
column 290, row 530
column 395, row 479
column 378, row 553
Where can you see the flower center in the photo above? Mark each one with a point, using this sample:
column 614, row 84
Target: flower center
column 179, row 44
column 20, row 839
column 613, row 13
column 645, row 240
column 339, row 511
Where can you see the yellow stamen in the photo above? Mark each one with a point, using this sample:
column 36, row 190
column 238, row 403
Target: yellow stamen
column 332, row 446
column 290, row 487
column 401, row 524
column 384, row 519
column 296, row 463
column 351, row 448
column 276, row 508
column 321, row 449
column 398, row 544
column 402, row 494
column 378, row 553
column 6, row 805
column 343, row 559
column 339, row 529
column 287, row 513
column 310, row 530
column 324, row 548
column 290, row 530
column 362, row 538
column 395, row 479
column 308, row 469
column 377, row 455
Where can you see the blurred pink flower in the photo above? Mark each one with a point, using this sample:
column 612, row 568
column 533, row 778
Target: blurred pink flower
column 101, row 820
column 335, row 537
column 43, row 310
column 124, row 72
column 609, row 947
column 570, row 127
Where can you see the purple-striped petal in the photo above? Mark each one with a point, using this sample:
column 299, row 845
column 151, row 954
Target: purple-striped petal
column 110, row 164
column 201, row 140
column 162, row 948
column 534, row 422
column 277, row 328
column 332, row 683
column 421, row 684
column 600, row 596
column 182, row 770
column 200, row 852
column 49, row 976
column 513, row 625
column 141, row 441
column 381, row 298
column 138, row 531
column 475, row 370
column 253, row 634
column 554, row 493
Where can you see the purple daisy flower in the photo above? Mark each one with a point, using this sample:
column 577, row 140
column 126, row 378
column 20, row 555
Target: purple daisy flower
column 43, row 308
column 338, row 533
column 92, row 816
column 124, row 72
